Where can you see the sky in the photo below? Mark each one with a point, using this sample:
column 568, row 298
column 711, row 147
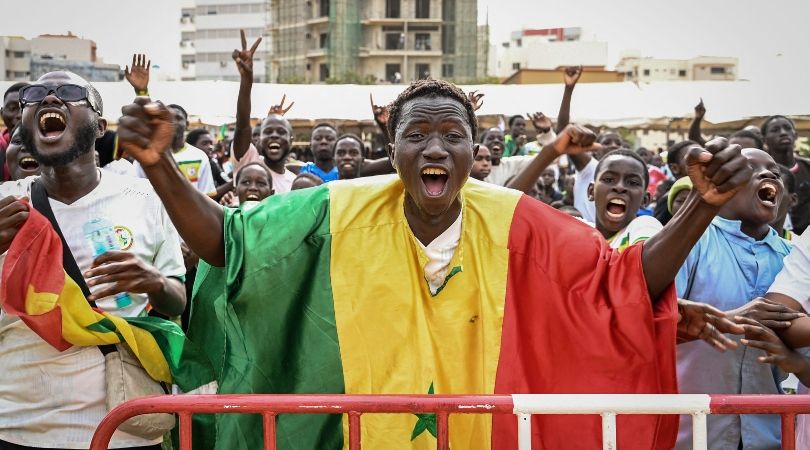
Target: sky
column 769, row 37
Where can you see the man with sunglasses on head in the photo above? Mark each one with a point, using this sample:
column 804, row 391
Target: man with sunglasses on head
column 51, row 399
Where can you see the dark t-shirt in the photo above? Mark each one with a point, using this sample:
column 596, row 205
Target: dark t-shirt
column 800, row 214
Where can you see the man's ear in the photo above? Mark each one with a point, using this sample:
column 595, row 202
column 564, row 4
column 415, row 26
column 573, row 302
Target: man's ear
column 475, row 150
column 645, row 200
column 590, row 192
column 794, row 200
column 102, row 127
column 391, row 153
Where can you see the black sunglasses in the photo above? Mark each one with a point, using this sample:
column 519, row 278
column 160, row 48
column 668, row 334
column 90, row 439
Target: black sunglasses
column 36, row 93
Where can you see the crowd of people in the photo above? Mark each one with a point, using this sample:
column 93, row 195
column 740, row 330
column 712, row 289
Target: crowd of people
column 465, row 261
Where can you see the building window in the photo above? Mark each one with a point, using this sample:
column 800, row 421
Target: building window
column 422, row 9
column 394, row 41
column 324, row 9
column 646, row 72
column 422, row 42
column 188, row 59
column 447, row 70
column 718, row 70
column 682, row 73
column 19, row 54
column 422, row 71
column 519, row 43
column 393, row 73
column 324, row 40
column 324, row 72
column 392, row 9
column 8, row 53
column 515, row 66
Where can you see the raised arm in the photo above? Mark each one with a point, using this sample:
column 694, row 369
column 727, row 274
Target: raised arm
column 380, row 114
column 694, row 128
column 573, row 140
column 571, row 77
column 244, row 63
column 138, row 76
column 146, row 131
column 717, row 173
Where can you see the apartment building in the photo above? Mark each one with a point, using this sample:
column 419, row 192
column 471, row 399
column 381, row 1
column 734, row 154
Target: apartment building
column 27, row 59
column 373, row 41
column 702, row 68
column 548, row 49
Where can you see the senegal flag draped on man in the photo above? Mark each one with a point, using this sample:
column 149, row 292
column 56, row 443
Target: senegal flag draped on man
column 36, row 288
column 324, row 292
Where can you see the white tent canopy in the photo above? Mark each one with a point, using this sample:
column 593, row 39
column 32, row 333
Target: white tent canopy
column 599, row 104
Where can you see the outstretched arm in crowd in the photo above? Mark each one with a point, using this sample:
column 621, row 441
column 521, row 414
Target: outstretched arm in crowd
column 776, row 352
column 138, row 76
column 526, row 179
column 717, row 173
column 571, row 77
column 573, row 141
column 694, row 128
column 244, row 63
column 146, row 131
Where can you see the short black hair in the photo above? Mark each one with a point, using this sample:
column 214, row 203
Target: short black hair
column 763, row 129
column 643, row 150
column 353, row 137
column 194, row 135
column 430, row 88
column 746, row 134
column 257, row 164
column 788, row 177
column 179, row 108
column 514, row 118
column 629, row 154
column 485, row 133
column 324, row 125
column 675, row 153
column 14, row 88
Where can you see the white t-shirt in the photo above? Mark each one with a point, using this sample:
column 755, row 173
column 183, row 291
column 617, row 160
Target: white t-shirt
column 639, row 230
column 439, row 254
column 282, row 182
column 195, row 166
column 582, row 180
column 794, row 278
column 794, row 281
column 121, row 167
column 57, row 399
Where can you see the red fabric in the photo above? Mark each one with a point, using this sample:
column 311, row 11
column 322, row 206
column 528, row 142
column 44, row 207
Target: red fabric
column 578, row 320
column 656, row 177
column 35, row 242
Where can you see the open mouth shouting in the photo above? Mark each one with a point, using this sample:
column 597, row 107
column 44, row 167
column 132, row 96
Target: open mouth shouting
column 253, row 196
column 28, row 164
column 51, row 125
column 274, row 148
column 435, row 181
column 768, row 193
column 616, row 209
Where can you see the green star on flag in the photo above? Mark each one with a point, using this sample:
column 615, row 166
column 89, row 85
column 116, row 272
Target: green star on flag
column 425, row 421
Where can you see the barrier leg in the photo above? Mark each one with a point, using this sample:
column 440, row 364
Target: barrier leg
column 788, row 431
column 524, row 431
column 354, row 431
column 269, row 421
column 699, row 435
column 185, row 430
column 608, row 431
column 443, row 430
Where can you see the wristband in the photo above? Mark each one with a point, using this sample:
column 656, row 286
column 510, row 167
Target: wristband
column 142, row 93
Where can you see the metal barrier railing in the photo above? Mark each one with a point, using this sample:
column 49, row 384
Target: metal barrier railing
column 522, row 405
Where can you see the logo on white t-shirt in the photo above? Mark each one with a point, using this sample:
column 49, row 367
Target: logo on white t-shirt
column 125, row 237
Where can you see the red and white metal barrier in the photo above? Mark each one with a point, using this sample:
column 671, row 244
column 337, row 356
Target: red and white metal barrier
column 522, row 405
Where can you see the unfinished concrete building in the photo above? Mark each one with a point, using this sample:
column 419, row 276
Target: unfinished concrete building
column 373, row 41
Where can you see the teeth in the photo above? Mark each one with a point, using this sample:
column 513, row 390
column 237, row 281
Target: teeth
column 617, row 201
column 50, row 116
column 433, row 171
